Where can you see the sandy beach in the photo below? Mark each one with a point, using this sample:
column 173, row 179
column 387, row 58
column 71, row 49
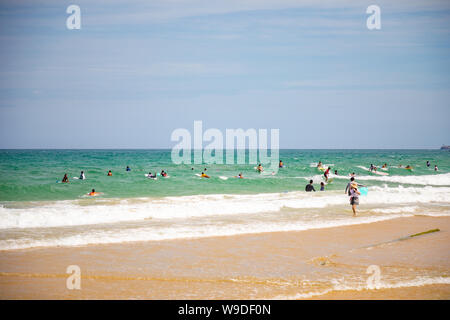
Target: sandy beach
column 327, row 263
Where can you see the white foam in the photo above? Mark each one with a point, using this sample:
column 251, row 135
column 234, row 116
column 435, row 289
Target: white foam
column 430, row 180
column 396, row 210
column 341, row 286
column 182, row 232
column 76, row 212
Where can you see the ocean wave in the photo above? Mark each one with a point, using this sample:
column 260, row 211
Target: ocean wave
column 137, row 234
column 430, row 180
column 102, row 211
column 340, row 286
column 396, row 209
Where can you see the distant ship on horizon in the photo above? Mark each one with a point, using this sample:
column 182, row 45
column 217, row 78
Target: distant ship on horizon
column 444, row 147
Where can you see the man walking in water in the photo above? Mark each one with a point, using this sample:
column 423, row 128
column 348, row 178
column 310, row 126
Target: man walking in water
column 352, row 180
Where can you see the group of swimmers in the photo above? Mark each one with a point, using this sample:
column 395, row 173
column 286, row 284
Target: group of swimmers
column 153, row 176
column 408, row 167
column 326, row 174
column 310, row 187
column 351, row 188
column 65, row 179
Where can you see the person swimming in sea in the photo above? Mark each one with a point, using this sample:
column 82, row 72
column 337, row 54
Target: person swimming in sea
column 428, row 164
column 65, row 179
column 336, row 172
column 82, row 176
column 128, row 168
column 163, row 174
column 319, row 165
column 93, row 193
column 436, row 168
column 322, row 186
column 384, row 166
column 281, row 165
column 309, row 187
column 109, row 173
column 259, row 168
column 408, row 167
column 151, row 176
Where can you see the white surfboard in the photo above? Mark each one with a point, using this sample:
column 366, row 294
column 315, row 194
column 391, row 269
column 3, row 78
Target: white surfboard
column 376, row 172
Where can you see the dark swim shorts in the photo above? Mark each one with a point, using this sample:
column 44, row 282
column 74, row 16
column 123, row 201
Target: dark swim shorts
column 354, row 200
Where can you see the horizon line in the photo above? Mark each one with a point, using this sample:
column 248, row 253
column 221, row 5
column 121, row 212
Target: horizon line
column 418, row 148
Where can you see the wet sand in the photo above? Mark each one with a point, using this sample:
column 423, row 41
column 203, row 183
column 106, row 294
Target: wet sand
column 326, row 263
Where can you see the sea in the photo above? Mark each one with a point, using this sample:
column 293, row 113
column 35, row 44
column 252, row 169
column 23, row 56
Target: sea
column 37, row 210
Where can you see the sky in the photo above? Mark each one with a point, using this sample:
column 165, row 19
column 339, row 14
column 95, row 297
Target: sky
column 137, row 70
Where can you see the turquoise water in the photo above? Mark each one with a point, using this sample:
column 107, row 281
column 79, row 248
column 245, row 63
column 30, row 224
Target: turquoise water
column 31, row 175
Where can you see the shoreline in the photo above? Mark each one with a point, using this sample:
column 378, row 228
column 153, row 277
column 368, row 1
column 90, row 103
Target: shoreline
column 247, row 266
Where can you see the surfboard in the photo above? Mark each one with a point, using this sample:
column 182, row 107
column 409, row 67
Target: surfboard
column 223, row 178
column 330, row 180
column 363, row 191
column 95, row 195
column 150, row 177
column 376, row 172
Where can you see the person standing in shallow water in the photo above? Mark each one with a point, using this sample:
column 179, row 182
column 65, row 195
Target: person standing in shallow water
column 354, row 197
